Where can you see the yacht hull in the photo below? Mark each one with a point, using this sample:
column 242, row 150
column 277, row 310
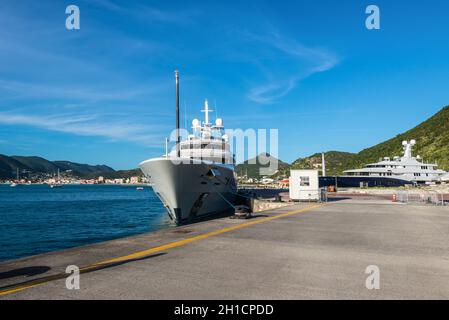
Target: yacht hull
column 365, row 181
column 191, row 191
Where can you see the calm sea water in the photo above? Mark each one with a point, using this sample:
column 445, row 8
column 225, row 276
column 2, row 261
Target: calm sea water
column 36, row 218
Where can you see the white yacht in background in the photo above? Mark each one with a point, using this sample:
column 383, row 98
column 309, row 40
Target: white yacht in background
column 407, row 168
column 15, row 184
column 197, row 178
column 58, row 183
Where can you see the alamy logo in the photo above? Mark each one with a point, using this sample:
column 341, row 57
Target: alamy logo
column 72, row 22
column 73, row 280
column 259, row 146
column 373, row 280
column 372, row 22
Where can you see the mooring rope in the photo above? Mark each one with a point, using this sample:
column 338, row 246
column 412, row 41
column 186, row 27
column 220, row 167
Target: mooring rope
column 219, row 193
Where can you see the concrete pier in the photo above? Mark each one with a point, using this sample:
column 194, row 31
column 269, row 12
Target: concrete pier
column 303, row 251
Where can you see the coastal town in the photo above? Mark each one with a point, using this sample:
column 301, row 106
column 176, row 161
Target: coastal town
column 67, row 179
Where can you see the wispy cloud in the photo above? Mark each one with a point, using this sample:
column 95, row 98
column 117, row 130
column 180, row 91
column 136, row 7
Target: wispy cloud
column 89, row 125
column 297, row 63
column 77, row 92
column 149, row 13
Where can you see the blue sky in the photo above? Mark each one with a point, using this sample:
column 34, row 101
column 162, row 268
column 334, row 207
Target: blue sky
column 104, row 94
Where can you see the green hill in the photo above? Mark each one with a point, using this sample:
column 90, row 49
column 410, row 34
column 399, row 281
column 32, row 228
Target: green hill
column 82, row 169
column 336, row 162
column 253, row 170
column 38, row 165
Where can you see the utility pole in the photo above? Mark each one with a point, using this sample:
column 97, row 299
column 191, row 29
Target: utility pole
column 323, row 164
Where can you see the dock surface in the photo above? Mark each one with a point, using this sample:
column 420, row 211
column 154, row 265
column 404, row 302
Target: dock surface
column 303, row 251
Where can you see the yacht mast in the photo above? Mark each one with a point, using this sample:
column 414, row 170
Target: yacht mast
column 408, row 148
column 178, row 138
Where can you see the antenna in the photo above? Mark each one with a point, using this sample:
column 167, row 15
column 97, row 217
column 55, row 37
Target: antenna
column 166, row 147
column 206, row 112
column 216, row 109
column 185, row 115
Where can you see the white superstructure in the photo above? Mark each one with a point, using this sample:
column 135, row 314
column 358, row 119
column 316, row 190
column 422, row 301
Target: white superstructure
column 407, row 168
column 207, row 142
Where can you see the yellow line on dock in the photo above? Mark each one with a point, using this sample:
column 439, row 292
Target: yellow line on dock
column 140, row 254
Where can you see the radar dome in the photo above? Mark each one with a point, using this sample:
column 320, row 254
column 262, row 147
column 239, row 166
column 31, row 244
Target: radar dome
column 195, row 123
column 206, row 135
column 219, row 122
column 404, row 143
column 413, row 142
